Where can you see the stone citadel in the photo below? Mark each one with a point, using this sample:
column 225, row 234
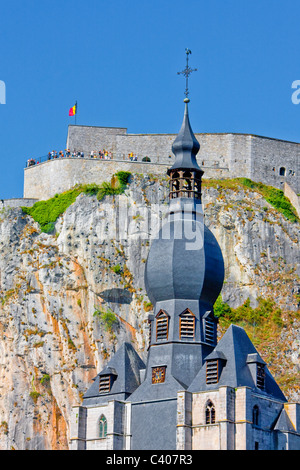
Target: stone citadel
column 267, row 160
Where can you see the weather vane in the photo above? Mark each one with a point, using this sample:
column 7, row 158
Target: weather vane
column 187, row 72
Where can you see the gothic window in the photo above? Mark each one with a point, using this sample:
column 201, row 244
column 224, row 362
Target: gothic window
column 105, row 383
column 255, row 415
column 210, row 413
column 260, row 376
column 212, row 371
column 162, row 326
column 187, row 324
column 282, row 171
column 102, row 427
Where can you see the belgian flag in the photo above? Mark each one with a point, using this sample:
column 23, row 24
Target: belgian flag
column 73, row 110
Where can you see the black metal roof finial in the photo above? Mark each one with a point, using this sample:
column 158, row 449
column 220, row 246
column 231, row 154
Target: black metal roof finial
column 186, row 72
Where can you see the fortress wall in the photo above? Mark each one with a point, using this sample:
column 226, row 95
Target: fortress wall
column 89, row 138
column 293, row 197
column 16, row 202
column 240, row 155
column 46, row 179
column 269, row 155
column 220, row 155
column 158, row 147
column 215, row 150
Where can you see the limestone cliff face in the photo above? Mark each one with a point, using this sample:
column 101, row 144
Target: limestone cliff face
column 52, row 343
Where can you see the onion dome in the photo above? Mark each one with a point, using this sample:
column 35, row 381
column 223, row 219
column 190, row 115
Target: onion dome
column 179, row 268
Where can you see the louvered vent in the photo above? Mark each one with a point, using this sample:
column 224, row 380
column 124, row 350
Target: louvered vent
column 187, row 325
column 162, row 323
column 104, row 384
column 209, row 331
column 212, row 371
column 260, row 379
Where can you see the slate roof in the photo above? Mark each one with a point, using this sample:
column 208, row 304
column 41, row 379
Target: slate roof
column 125, row 366
column 173, row 271
column 237, row 352
column 284, row 423
column 185, row 147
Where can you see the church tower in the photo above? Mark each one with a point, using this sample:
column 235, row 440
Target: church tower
column 183, row 277
column 193, row 392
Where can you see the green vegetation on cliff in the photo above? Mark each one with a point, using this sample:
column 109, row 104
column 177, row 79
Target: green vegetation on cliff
column 47, row 212
column 273, row 196
column 264, row 325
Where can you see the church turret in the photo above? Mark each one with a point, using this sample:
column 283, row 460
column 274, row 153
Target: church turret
column 185, row 174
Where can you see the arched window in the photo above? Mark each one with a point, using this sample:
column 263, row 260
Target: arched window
column 162, row 326
column 282, row 171
column 187, row 324
column 102, row 427
column 210, row 413
column 255, row 415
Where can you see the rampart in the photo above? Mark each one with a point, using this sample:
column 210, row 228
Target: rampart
column 268, row 160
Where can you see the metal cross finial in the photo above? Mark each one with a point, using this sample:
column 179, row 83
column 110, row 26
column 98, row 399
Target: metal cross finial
column 187, row 71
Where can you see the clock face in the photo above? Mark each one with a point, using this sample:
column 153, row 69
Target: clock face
column 158, row 375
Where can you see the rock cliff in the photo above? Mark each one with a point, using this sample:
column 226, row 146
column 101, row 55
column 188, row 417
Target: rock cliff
column 70, row 298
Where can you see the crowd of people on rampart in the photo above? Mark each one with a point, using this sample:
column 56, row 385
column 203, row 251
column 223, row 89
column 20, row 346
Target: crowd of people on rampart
column 102, row 154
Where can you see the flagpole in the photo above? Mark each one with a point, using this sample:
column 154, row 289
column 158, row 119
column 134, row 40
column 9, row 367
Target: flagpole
column 75, row 112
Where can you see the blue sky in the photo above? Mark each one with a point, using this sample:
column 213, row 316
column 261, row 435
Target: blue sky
column 119, row 60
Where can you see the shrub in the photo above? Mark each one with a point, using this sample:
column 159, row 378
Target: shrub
column 108, row 189
column 91, row 189
column 123, row 177
column 117, row 269
column 107, row 318
column 45, row 379
column 34, row 395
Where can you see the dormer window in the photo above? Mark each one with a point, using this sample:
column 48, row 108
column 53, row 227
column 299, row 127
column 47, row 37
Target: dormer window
column 187, row 325
column 106, row 379
column 162, row 326
column 212, row 371
column 257, row 369
column 214, row 366
column 105, row 384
